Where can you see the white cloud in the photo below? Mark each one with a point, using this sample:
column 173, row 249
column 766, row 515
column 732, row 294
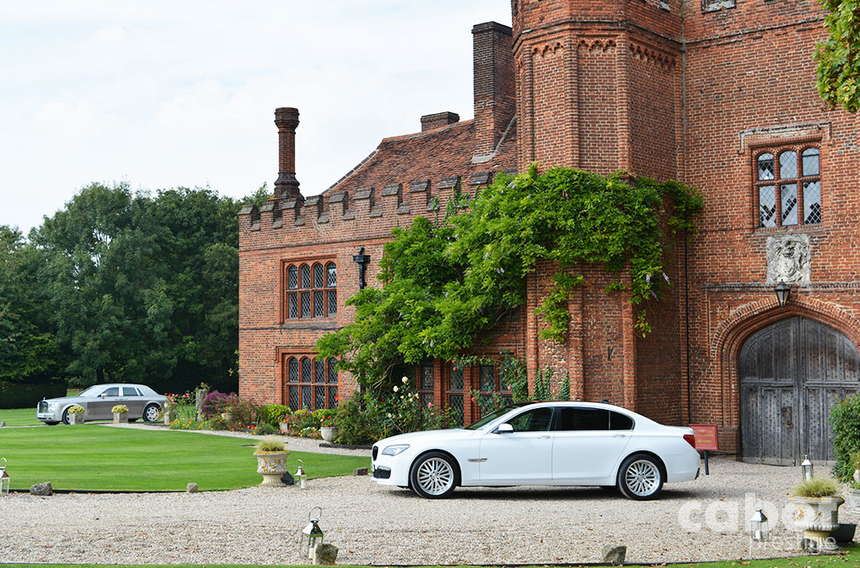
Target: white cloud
column 163, row 93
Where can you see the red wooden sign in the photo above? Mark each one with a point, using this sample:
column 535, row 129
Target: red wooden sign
column 706, row 437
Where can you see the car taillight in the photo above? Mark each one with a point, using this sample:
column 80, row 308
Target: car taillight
column 691, row 439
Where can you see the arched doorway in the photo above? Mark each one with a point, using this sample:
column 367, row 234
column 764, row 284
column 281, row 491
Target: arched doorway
column 792, row 372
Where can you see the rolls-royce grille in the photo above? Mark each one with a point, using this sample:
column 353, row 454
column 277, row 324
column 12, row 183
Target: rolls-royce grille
column 43, row 406
column 374, row 452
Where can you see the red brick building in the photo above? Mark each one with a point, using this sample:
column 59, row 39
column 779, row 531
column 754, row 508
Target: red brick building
column 719, row 94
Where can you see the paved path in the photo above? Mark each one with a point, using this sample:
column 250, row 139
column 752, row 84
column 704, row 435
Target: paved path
column 700, row 520
column 293, row 442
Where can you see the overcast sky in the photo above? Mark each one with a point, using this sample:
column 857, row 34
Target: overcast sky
column 182, row 93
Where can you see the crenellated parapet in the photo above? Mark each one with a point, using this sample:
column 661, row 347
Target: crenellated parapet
column 363, row 210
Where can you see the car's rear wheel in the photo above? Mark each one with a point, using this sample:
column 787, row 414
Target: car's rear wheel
column 640, row 477
column 150, row 413
column 433, row 475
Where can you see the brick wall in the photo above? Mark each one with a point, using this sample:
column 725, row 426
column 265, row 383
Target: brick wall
column 603, row 85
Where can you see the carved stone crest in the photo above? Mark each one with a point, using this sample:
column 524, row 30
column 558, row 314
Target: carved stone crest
column 788, row 260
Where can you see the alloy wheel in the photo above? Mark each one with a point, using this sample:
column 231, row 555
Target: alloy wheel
column 642, row 478
column 435, row 476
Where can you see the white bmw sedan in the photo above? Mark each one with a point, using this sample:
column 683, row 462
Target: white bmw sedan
column 548, row 443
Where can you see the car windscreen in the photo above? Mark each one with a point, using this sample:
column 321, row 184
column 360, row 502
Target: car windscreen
column 486, row 419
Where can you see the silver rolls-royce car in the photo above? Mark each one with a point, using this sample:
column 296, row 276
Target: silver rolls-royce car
column 98, row 400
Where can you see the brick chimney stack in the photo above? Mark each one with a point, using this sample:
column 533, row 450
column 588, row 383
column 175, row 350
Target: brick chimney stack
column 495, row 97
column 286, row 119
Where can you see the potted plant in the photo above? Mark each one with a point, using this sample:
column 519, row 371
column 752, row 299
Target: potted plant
column 271, row 461
column 120, row 414
column 284, row 424
column 328, row 427
column 816, row 510
column 76, row 414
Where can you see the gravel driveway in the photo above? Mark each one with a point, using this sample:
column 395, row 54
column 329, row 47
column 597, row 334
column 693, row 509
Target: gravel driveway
column 379, row 526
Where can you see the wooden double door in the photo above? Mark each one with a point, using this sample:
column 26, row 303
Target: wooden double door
column 792, row 373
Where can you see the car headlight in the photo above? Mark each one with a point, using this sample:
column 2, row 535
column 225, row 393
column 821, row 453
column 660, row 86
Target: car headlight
column 394, row 450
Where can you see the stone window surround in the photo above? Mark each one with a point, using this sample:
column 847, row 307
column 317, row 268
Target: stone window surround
column 775, row 148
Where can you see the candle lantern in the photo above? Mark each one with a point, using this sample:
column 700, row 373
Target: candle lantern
column 301, row 476
column 759, row 529
column 806, row 467
column 312, row 534
column 5, row 481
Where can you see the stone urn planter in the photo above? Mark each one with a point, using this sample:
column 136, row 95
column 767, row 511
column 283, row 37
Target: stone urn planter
column 328, row 433
column 272, row 466
column 271, row 461
column 854, row 498
column 817, row 517
column 76, row 419
column 284, row 428
column 120, row 414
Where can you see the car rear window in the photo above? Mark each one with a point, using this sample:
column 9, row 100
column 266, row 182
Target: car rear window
column 618, row 421
column 579, row 419
column 130, row 391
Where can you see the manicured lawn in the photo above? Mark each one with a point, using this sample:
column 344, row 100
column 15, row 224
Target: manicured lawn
column 98, row 458
column 851, row 558
column 19, row 416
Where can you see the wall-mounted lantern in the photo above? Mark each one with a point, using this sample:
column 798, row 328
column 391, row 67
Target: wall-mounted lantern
column 783, row 293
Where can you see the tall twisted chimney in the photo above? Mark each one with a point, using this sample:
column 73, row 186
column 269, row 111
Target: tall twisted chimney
column 286, row 119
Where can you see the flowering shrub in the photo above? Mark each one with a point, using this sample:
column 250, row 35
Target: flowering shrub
column 326, row 417
column 215, row 402
column 76, row 409
column 119, row 409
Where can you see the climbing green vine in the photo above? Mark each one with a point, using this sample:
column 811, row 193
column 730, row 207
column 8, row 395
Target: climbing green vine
column 447, row 283
column 838, row 57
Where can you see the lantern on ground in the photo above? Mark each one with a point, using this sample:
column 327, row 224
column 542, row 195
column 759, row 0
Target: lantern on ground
column 301, row 476
column 806, row 468
column 759, row 530
column 312, row 534
column 4, row 478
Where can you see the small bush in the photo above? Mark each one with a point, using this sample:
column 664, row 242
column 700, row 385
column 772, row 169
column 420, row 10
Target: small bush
column 355, row 424
column 185, row 424
column 855, row 460
column 214, row 403
column 76, row 409
column 845, row 418
column 243, row 414
column 265, row 429
column 816, row 487
column 326, row 417
column 270, row 445
column 303, row 419
column 119, row 409
column 274, row 414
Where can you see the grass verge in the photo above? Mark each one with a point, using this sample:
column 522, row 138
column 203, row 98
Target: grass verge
column 19, row 416
column 97, row 458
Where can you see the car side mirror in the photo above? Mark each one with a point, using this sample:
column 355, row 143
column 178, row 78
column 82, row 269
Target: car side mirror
column 102, row 395
column 505, row 429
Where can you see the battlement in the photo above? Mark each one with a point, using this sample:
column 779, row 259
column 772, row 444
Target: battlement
column 358, row 210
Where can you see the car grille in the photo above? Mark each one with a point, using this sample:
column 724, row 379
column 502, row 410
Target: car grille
column 374, row 452
column 380, row 473
column 43, row 406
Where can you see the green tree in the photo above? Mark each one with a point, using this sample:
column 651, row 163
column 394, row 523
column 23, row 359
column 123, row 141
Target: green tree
column 144, row 287
column 28, row 346
column 838, row 56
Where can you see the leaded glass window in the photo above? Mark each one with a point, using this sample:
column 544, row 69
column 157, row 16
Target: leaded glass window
column 311, row 290
column 310, row 383
column 456, row 384
column 426, row 382
column 788, row 187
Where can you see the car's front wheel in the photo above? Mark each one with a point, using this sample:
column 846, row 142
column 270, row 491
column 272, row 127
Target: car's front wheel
column 640, row 477
column 151, row 412
column 66, row 416
column 433, row 475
